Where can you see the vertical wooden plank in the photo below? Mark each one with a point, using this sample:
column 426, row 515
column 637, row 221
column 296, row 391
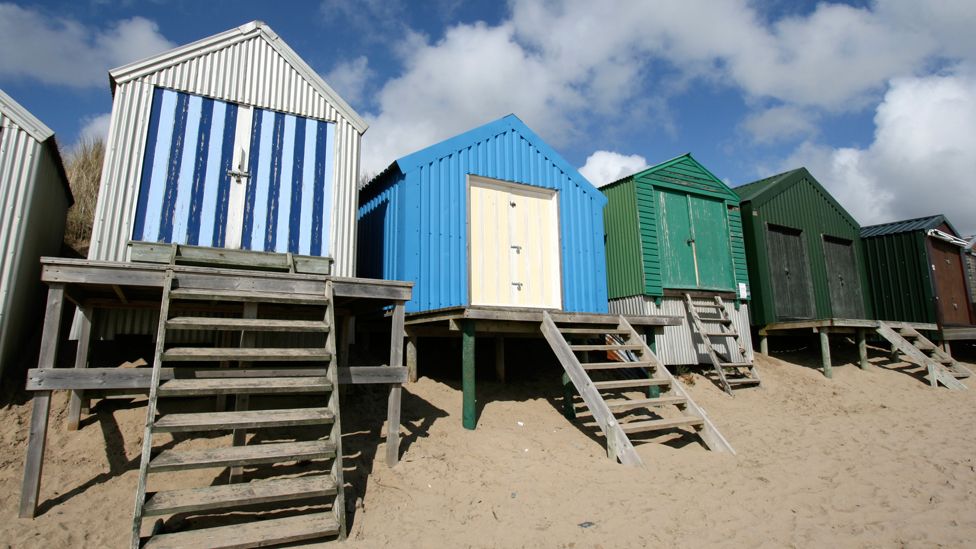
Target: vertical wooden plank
column 393, row 404
column 825, row 354
column 653, row 391
column 862, row 348
column 81, row 361
column 500, row 358
column 569, row 408
column 242, row 402
column 764, row 345
column 412, row 358
column 34, row 463
column 468, row 410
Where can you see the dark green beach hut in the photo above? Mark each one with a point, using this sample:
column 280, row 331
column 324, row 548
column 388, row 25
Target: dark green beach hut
column 805, row 254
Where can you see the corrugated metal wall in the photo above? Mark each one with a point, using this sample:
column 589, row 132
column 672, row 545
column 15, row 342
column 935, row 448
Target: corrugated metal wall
column 898, row 268
column 428, row 245
column 677, row 345
column 249, row 72
column 33, row 205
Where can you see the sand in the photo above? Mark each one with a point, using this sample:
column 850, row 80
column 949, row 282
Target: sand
column 871, row 458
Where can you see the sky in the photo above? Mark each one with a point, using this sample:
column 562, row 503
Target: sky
column 876, row 98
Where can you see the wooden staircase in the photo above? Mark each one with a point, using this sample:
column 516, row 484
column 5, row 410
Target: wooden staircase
column 731, row 373
column 285, row 484
column 941, row 367
column 632, row 394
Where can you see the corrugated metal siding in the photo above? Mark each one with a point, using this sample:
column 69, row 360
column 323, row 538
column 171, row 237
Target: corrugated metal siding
column 802, row 206
column 740, row 268
column 625, row 273
column 248, row 72
column 431, row 227
column 971, row 275
column 898, row 268
column 647, row 217
column 677, row 345
column 33, row 205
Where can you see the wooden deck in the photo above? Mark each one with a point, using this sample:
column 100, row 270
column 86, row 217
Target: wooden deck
column 102, row 285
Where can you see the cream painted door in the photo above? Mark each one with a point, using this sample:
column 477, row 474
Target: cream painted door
column 513, row 245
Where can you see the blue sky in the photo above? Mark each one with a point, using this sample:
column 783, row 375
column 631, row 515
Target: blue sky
column 877, row 99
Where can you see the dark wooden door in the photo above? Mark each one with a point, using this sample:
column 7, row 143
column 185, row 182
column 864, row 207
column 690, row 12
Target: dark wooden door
column 951, row 301
column 843, row 281
column 790, row 274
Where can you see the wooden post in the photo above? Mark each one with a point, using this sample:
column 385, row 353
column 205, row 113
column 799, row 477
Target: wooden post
column 345, row 335
column 825, row 354
column 468, row 410
column 764, row 345
column 81, row 361
column 654, row 391
column 500, row 358
column 393, row 403
column 862, row 348
column 242, row 402
column 947, row 348
column 569, row 409
column 37, row 436
column 412, row 358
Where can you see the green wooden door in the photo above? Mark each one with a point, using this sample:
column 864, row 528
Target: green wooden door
column 790, row 273
column 713, row 251
column 843, row 282
column 675, row 239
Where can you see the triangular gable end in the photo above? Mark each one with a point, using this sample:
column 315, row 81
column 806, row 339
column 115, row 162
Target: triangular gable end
column 223, row 66
column 686, row 174
column 24, row 119
column 792, row 178
column 506, row 123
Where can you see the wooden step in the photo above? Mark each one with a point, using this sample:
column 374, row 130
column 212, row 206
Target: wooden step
column 721, row 334
column 245, row 324
column 707, row 306
column 260, row 533
column 658, row 424
column 614, row 365
column 243, row 386
column 647, row 403
column 617, row 347
column 924, row 345
column 246, row 296
column 250, row 419
column 271, row 354
column 909, row 334
column 735, row 364
column 631, row 383
column 255, row 454
column 234, row 495
column 742, row 381
column 594, row 331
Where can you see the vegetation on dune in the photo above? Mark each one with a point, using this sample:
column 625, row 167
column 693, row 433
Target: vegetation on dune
column 84, row 169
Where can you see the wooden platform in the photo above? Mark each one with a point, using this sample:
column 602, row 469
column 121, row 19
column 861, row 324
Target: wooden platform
column 500, row 322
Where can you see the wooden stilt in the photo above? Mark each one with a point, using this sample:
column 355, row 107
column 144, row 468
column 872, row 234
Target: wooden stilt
column 862, row 348
column 653, row 391
column 393, row 403
column 946, row 347
column 468, row 410
column 764, row 345
column 825, row 354
column 412, row 358
column 500, row 358
column 569, row 408
column 81, row 361
column 37, row 436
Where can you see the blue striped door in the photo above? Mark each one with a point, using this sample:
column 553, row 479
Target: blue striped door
column 185, row 187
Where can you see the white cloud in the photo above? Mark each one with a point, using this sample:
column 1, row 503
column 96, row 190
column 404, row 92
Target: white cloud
column 922, row 159
column 604, row 167
column 95, row 127
column 778, row 123
column 349, row 79
column 62, row 51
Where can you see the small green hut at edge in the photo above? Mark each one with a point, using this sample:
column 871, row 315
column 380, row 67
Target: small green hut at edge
column 805, row 254
column 672, row 229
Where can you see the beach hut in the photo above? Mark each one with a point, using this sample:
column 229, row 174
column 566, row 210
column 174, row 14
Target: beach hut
column 804, row 251
column 917, row 273
column 234, row 142
column 34, row 199
column 674, row 235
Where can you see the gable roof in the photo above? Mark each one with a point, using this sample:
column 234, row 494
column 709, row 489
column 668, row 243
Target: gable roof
column 248, row 31
column 38, row 131
column 674, row 174
column 762, row 191
column 451, row 145
column 907, row 226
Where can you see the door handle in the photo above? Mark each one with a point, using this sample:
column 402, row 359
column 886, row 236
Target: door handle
column 517, row 248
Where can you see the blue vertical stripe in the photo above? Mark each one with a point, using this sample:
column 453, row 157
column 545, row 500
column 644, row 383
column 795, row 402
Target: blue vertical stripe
column 319, row 191
column 298, row 173
column 184, row 185
column 283, row 215
column 206, row 213
column 223, row 187
column 173, row 169
column 255, row 152
column 327, row 188
column 260, row 210
column 162, row 154
column 200, row 172
column 149, row 157
column 274, row 185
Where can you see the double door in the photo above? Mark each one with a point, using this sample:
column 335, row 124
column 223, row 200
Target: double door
column 225, row 175
column 789, row 272
column 696, row 251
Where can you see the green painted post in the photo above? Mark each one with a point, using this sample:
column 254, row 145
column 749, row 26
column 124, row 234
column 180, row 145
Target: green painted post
column 468, row 413
column 862, row 348
column 653, row 391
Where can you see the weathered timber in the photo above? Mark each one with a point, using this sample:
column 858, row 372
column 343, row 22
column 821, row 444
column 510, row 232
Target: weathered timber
column 393, row 402
column 248, row 324
column 211, row 354
column 254, row 454
column 81, row 361
column 233, row 495
column 261, row 533
column 244, row 386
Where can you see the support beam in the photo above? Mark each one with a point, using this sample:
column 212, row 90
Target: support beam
column 825, row 354
column 78, row 399
column 653, row 391
column 412, row 358
column 500, row 358
column 862, row 348
column 393, row 403
column 569, row 409
column 764, row 345
column 468, row 408
column 37, row 436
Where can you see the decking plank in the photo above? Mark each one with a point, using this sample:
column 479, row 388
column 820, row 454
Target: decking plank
column 247, row 419
column 234, row 495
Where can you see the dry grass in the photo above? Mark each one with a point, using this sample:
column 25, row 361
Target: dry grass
column 84, row 168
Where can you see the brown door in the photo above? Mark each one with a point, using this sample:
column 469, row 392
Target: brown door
column 843, row 281
column 951, row 301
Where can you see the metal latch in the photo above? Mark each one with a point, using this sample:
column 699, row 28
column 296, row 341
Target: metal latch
column 517, row 248
column 240, row 173
column 517, row 285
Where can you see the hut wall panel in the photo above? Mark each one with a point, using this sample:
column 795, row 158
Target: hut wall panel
column 677, row 345
column 898, row 267
column 624, row 259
